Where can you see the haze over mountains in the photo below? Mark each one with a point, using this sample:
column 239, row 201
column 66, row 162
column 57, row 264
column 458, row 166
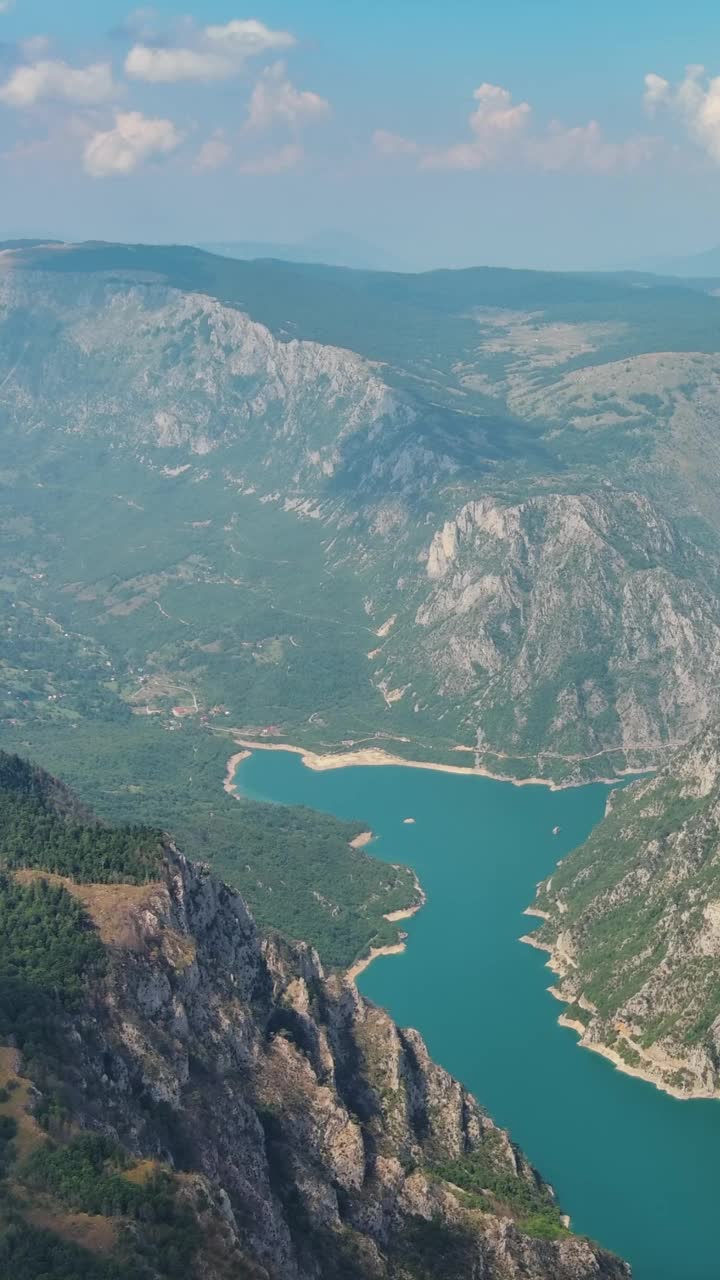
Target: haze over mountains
column 692, row 266
column 469, row 517
column 501, row 487
column 336, row 247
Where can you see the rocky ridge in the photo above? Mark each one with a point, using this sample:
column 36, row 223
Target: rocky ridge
column 309, row 1136
column 632, row 923
column 499, row 481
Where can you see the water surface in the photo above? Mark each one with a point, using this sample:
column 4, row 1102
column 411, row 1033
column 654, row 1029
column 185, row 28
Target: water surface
column 637, row 1170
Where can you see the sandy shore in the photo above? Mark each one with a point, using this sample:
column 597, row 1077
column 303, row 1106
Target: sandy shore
column 361, row 965
column 394, row 949
column 406, row 912
column 373, row 756
column 530, row 941
column 535, row 911
column 360, row 841
column 232, row 764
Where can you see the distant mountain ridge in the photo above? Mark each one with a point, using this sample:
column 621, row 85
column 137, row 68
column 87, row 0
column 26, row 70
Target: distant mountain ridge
column 331, row 248
column 695, row 265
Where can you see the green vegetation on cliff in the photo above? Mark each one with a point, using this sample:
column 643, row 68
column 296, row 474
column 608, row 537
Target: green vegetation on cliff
column 483, row 1175
column 30, row 1253
column 294, row 867
column 33, row 834
column 634, row 917
column 49, row 953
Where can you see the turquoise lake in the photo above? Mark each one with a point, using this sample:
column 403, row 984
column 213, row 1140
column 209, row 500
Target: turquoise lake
column 637, row 1170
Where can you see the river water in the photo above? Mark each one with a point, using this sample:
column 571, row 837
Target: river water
column 637, row 1170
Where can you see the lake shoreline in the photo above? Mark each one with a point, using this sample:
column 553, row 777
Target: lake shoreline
column 392, row 949
column 360, row 841
column 406, row 913
column 556, row 965
column 229, row 781
column 372, row 757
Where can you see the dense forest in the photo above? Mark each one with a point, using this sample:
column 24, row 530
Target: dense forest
column 49, row 952
column 33, row 834
column 294, row 866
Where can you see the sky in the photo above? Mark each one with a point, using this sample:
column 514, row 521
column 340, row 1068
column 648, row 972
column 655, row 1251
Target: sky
column 542, row 133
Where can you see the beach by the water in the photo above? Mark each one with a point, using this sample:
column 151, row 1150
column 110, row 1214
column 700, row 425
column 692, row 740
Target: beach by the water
column 377, row 757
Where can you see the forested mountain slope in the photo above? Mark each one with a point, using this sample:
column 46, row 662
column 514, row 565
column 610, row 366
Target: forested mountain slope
column 469, row 508
column 632, row 921
column 184, row 1096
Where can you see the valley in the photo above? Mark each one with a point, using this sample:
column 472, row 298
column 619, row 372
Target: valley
column 466, row 521
column 461, row 531
column 630, row 1164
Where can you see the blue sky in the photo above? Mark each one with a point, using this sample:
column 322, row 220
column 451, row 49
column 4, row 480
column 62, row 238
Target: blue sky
column 528, row 132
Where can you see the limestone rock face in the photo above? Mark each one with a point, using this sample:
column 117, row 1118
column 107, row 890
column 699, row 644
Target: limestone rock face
column 310, row 1118
column 553, row 573
column 567, row 621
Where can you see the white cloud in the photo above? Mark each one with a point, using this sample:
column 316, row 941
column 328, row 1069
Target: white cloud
column 276, row 100
column 134, row 139
column 280, row 161
column 495, row 113
column 213, row 154
column 656, row 91
column 585, row 149
column 56, row 80
column 501, row 134
column 495, row 121
column 247, row 37
column 393, row 144
column 206, row 54
column 166, row 66
column 695, row 101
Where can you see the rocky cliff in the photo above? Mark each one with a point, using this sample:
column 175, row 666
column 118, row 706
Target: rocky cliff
column 632, row 924
column 276, row 462
column 277, row 1125
column 572, row 625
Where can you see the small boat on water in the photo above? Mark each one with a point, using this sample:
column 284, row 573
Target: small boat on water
column 556, row 831
column 408, row 821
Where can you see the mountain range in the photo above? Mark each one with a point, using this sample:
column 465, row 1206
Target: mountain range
column 705, row 264
column 464, row 517
column 501, row 488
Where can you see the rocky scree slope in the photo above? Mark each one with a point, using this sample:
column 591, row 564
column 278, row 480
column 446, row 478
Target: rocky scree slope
column 272, row 1122
column 632, row 923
